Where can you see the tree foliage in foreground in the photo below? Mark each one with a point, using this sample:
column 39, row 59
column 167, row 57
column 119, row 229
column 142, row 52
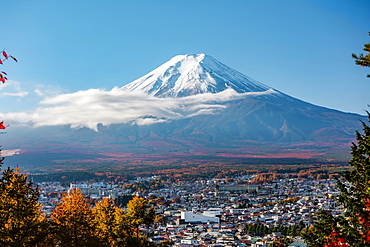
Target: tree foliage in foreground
column 363, row 60
column 352, row 228
column 74, row 222
column 106, row 221
column 77, row 223
column 21, row 221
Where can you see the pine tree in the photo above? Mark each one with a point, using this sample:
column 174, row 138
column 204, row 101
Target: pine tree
column 21, row 221
column 363, row 60
column 353, row 227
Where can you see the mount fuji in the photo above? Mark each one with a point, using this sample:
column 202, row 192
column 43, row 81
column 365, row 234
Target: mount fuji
column 266, row 115
column 208, row 110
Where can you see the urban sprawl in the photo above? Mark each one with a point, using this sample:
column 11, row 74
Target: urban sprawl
column 218, row 212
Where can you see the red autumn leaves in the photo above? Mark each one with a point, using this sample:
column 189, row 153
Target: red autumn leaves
column 2, row 126
column 2, row 77
column 339, row 240
column 5, row 57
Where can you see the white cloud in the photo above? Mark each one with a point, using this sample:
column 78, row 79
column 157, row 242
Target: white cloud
column 17, row 96
column 10, row 85
column 96, row 106
column 13, row 89
column 20, row 94
column 43, row 90
column 38, row 92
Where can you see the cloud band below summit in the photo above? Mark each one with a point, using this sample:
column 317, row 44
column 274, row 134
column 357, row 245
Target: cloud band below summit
column 95, row 106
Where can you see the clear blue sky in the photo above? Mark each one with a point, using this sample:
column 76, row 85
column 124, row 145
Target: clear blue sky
column 302, row 48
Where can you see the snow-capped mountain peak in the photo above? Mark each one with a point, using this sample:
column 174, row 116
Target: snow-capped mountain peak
column 191, row 74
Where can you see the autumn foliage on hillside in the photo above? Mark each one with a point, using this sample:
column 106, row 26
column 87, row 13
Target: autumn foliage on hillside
column 266, row 178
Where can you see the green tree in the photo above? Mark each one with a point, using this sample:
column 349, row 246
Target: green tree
column 21, row 221
column 353, row 227
column 363, row 60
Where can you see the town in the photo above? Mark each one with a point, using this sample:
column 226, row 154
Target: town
column 218, row 211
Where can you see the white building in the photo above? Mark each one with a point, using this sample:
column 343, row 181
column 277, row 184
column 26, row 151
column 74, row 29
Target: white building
column 213, row 212
column 189, row 217
column 189, row 241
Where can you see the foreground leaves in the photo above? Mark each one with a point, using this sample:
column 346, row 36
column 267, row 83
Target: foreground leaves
column 21, row 221
column 352, row 228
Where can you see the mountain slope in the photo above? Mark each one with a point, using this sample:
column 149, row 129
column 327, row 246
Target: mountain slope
column 262, row 120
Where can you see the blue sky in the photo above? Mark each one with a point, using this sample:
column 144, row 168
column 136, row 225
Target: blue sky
column 302, row 48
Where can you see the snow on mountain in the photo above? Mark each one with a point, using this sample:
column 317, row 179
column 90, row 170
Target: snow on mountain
column 192, row 74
